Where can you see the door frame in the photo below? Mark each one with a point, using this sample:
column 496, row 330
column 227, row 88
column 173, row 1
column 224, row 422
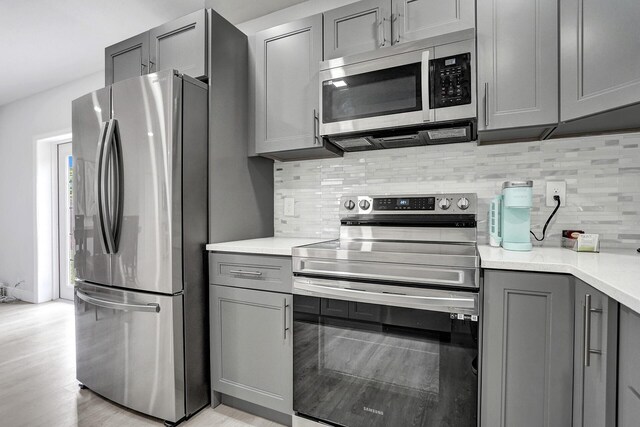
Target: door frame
column 55, row 218
column 46, row 263
column 57, row 229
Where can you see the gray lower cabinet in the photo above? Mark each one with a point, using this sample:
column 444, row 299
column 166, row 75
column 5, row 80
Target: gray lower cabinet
column 517, row 67
column 129, row 58
column 180, row 44
column 371, row 24
column 287, row 63
column 251, row 346
column 595, row 358
column 600, row 60
column 628, row 368
column 527, row 350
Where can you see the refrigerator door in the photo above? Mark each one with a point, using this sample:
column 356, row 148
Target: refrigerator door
column 129, row 348
column 90, row 116
column 148, row 111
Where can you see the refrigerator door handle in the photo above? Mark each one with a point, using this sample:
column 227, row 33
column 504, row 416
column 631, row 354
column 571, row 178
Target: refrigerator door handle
column 118, row 180
column 111, row 183
column 151, row 307
column 100, row 180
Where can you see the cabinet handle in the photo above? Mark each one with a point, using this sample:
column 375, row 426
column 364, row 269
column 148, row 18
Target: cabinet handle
column 151, row 66
column 384, row 36
column 587, row 329
column 246, row 273
column 394, row 18
column 285, row 328
column 486, row 104
column 316, row 127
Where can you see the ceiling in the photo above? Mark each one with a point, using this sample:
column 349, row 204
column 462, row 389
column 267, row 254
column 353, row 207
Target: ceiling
column 46, row 43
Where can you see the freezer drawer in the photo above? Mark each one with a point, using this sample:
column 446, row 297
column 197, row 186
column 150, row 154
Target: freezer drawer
column 129, row 349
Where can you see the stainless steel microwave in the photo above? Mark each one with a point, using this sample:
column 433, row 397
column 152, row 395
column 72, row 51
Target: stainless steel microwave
column 410, row 94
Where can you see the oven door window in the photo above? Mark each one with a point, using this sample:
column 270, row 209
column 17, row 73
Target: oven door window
column 371, row 365
column 377, row 93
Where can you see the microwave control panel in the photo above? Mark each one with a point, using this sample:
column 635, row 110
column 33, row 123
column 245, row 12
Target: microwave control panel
column 450, row 81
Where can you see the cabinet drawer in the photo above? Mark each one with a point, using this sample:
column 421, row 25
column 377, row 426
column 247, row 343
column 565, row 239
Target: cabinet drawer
column 262, row 272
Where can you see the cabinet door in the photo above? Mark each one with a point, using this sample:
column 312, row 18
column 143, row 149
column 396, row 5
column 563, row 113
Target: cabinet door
column 600, row 60
column 357, row 27
column 628, row 372
column 180, row 45
column 517, row 63
column 287, row 88
column 594, row 373
column 251, row 346
column 129, row 58
column 420, row 19
column 527, row 349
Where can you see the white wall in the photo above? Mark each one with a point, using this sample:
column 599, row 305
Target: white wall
column 21, row 123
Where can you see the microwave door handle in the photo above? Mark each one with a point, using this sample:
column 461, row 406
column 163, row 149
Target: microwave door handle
column 427, row 112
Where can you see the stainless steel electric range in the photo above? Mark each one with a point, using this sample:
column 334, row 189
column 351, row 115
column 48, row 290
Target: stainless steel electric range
column 386, row 318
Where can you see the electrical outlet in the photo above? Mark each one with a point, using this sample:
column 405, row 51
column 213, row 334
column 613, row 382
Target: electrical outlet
column 289, row 206
column 556, row 188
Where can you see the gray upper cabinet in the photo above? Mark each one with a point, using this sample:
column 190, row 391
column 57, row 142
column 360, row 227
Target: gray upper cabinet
column 595, row 358
column 600, row 60
column 370, row 24
column 420, row 19
column 527, row 351
column 286, row 78
column 628, row 372
column 517, row 63
column 180, row 45
column 129, row 58
column 357, row 27
column 251, row 346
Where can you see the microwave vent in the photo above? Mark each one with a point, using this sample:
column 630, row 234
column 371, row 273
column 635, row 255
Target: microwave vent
column 400, row 141
column 352, row 143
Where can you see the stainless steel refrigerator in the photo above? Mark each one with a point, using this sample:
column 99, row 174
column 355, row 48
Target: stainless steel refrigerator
column 140, row 203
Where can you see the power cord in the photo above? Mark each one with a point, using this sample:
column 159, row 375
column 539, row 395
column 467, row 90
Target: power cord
column 544, row 229
column 5, row 296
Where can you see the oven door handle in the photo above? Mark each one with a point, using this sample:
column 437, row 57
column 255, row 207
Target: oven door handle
column 420, row 298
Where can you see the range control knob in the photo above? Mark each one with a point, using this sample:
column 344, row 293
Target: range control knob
column 364, row 204
column 349, row 204
column 463, row 203
column 444, row 204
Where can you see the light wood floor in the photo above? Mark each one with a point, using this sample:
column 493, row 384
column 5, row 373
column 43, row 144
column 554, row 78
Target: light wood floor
column 37, row 377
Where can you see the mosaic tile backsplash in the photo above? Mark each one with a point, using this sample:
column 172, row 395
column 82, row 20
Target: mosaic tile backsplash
column 602, row 175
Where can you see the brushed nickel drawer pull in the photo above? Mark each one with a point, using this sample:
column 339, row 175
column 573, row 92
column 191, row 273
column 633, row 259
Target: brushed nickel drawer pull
column 246, row 273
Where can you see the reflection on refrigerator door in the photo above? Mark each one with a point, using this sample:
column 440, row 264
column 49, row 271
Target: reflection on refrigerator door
column 129, row 348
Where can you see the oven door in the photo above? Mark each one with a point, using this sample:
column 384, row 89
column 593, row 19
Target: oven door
column 384, row 355
column 380, row 93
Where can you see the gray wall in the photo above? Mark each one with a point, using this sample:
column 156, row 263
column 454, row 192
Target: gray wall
column 602, row 175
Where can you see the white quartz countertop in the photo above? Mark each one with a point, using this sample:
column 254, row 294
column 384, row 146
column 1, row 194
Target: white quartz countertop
column 614, row 273
column 264, row 246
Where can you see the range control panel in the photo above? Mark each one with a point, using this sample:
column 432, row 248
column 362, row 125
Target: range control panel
column 456, row 203
column 404, row 203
